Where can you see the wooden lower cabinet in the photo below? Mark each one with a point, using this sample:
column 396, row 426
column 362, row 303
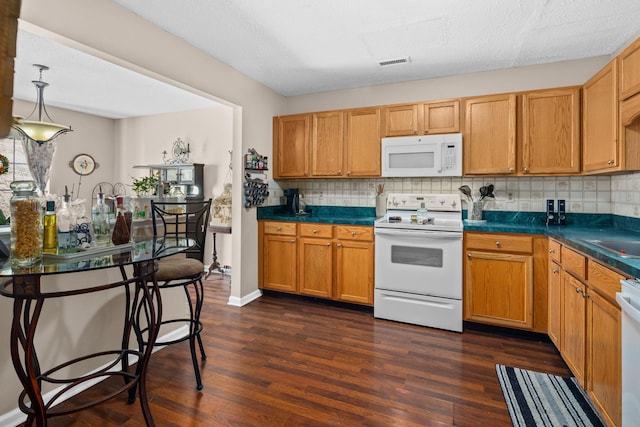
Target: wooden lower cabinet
column 322, row 260
column 573, row 341
column 554, row 292
column 505, row 280
column 604, row 353
column 280, row 263
column 354, row 272
column 590, row 327
column 315, row 267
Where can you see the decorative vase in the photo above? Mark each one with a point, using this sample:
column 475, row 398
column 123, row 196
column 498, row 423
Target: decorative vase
column 381, row 205
column 476, row 211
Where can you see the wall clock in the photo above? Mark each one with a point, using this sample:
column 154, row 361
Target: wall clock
column 83, row 164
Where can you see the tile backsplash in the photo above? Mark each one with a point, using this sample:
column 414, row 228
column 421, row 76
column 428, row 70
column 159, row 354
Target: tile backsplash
column 589, row 194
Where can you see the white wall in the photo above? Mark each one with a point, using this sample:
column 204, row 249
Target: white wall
column 209, row 133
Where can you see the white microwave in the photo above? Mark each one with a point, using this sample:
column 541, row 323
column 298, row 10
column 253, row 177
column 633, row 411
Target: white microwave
column 426, row 155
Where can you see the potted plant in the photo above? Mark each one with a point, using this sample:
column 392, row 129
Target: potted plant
column 145, row 186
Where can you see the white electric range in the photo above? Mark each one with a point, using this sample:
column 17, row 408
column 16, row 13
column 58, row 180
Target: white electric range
column 418, row 267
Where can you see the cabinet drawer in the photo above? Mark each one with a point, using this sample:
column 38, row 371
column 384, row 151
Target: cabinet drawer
column 316, row 230
column 280, row 228
column 554, row 250
column 500, row 242
column 353, row 232
column 574, row 262
column 606, row 281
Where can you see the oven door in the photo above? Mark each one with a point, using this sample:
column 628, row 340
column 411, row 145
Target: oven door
column 419, row 262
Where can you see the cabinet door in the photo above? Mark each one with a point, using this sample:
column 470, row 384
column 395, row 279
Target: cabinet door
column 354, row 271
column 327, row 144
column 363, row 142
column 499, row 289
column 630, row 70
column 551, row 131
column 554, row 303
column 604, row 368
column 490, row 135
column 316, row 274
column 401, row 120
column 573, row 324
column 291, row 145
column 442, row 117
column 600, row 144
column 279, row 258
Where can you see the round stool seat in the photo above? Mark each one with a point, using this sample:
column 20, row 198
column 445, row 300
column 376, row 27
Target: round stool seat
column 171, row 269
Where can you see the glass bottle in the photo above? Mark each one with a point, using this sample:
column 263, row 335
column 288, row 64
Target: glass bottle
column 50, row 223
column 179, row 197
column 66, row 227
column 100, row 221
column 26, row 224
column 422, row 214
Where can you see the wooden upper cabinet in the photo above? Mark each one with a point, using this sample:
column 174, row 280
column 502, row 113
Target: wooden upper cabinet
column 9, row 12
column 363, row 142
column 401, row 120
column 600, row 143
column 441, row 117
column 290, row 145
column 630, row 70
column 490, row 135
column 551, row 131
column 327, row 144
column 421, row 119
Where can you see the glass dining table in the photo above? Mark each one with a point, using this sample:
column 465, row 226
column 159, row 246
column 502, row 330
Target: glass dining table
column 141, row 323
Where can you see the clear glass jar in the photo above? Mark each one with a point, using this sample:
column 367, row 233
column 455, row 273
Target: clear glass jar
column 26, row 224
column 100, row 221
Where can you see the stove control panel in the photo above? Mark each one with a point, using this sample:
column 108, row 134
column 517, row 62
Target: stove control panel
column 432, row 202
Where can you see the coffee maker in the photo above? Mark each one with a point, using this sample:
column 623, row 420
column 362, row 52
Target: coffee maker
column 293, row 200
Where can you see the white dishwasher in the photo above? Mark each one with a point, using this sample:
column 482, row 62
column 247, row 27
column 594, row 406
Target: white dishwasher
column 629, row 301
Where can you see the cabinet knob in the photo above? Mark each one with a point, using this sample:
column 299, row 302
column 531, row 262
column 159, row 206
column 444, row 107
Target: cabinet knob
column 293, row 240
column 348, row 173
column 353, row 234
column 339, row 245
column 555, row 271
column 525, row 170
column 278, row 228
column 306, row 173
column 339, row 171
column 328, row 244
column 610, row 162
column 511, row 170
column 468, row 255
column 552, row 251
column 315, row 231
column 578, row 290
column 498, row 243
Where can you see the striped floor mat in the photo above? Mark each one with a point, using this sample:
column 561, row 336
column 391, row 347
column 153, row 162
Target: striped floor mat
column 535, row 399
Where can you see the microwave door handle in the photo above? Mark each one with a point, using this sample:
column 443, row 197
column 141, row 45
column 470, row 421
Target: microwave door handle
column 441, row 158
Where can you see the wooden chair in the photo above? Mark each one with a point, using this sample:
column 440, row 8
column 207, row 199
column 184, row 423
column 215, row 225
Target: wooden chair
column 175, row 220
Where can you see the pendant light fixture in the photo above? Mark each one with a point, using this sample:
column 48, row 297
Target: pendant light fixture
column 40, row 131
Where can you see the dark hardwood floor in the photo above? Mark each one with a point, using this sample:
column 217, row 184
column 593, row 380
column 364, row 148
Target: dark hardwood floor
column 283, row 361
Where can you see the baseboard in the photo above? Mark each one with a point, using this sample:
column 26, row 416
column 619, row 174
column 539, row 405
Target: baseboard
column 239, row 302
column 16, row 417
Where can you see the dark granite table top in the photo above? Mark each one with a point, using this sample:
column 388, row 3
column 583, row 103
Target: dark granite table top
column 578, row 228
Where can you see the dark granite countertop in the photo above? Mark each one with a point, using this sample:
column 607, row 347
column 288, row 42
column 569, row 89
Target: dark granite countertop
column 351, row 215
column 579, row 227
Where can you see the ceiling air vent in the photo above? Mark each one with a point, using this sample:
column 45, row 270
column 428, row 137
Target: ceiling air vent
column 405, row 60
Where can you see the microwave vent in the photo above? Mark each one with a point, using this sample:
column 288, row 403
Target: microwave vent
column 405, row 60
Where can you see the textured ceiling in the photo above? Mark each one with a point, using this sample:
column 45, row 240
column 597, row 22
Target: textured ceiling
column 306, row 46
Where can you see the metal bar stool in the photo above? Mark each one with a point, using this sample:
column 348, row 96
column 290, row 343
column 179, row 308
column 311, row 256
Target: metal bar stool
column 176, row 220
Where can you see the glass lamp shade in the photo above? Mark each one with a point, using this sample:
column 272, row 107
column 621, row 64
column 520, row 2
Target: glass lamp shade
column 40, row 132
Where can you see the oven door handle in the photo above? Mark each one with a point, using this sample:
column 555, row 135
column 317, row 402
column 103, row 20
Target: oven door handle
column 420, row 234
